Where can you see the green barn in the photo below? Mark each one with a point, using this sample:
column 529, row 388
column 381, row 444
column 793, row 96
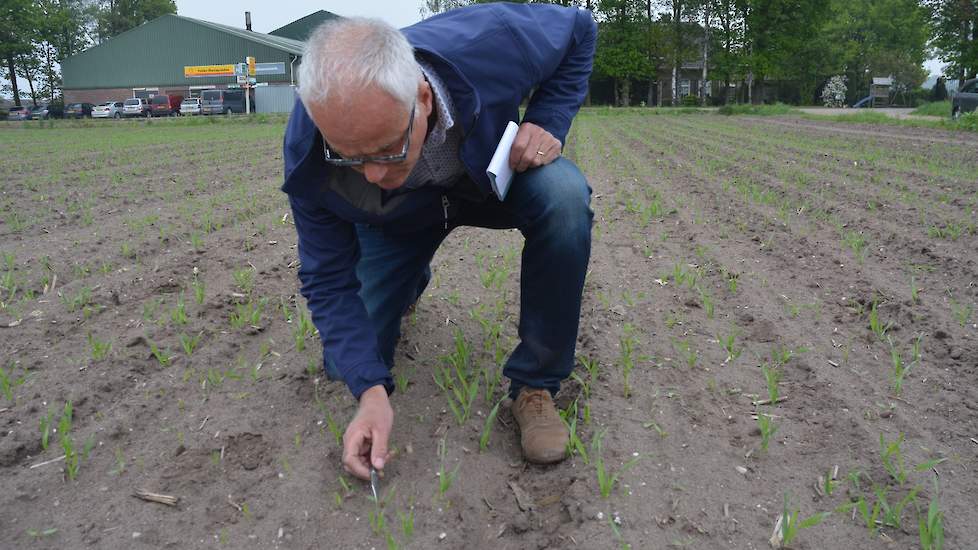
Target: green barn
column 149, row 60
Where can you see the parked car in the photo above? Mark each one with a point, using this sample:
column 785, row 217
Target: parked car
column 78, row 110
column 165, row 105
column 22, row 112
column 966, row 99
column 48, row 110
column 222, row 102
column 135, row 106
column 109, row 109
column 190, row 106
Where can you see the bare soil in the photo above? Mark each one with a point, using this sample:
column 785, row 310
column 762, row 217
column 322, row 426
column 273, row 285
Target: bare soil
column 706, row 228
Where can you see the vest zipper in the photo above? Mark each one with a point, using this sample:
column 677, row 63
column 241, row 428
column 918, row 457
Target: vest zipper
column 444, row 205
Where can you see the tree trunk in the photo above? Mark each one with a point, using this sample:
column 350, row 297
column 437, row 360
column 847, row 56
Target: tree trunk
column 750, row 87
column 50, row 72
column 626, row 92
column 706, row 50
column 30, row 82
column 616, row 103
column 677, row 13
column 650, row 102
column 675, row 88
column 13, row 79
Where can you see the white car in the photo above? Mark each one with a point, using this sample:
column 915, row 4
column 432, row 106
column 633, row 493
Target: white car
column 190, row 106
column 109, row 109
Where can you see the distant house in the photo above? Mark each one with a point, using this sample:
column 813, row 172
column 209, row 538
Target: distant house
column 689, row 78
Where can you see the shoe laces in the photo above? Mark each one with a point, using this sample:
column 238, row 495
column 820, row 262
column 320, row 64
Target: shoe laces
column 534, row 401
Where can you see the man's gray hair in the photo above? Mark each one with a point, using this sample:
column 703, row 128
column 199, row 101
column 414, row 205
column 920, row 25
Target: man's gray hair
column 345, row 56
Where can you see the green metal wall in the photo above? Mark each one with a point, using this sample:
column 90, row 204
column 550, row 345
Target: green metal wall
column 155, row 53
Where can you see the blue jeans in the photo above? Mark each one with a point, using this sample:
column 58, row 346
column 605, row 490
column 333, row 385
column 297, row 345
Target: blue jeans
column 550, row 205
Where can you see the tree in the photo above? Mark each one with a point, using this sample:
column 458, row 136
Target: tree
column 955, row 26
column 16, row 30
column 939, row 92
column 868, row 38
column 620, row 51
column 114, row 17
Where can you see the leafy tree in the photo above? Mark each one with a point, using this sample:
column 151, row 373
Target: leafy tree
column 955, row 35
column 621, row 45
column 16, row 31
column 870, row 38
column 114, row 17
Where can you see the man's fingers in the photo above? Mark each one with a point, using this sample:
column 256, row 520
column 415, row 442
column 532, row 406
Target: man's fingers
column 356, row 450
column 533, row 147
column 378, row 450
column 531, row 153
column 518, row 149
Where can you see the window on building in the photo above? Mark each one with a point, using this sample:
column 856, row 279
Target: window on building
column 683, row 88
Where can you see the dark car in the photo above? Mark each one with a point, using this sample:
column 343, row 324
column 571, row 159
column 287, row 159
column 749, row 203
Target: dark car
column 966, row 100
column 46, row 111
column 165, row 105
column 79, row 110
column 222, row 102
column 21, row 112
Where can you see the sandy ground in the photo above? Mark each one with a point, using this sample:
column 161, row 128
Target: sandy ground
column 728, row 252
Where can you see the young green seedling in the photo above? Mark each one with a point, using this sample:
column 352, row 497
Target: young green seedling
column 892, row 516
column 627, row 360
column 574, row 443
column 877, row 326
column 487, row 427
column 99, row 349
column 162, row 355
column 772, row 376
column 931, row 524
column 190, row 343
column 767, row 427
column 179, row 312
column 457, row 381
column 607, row 479
column 199, row 289
column 8, row 383
column 445, row 477
column 728, row 344
column 892, row 457
column 790, row 522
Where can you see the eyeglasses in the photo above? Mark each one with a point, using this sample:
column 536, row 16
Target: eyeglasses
column 333, row 158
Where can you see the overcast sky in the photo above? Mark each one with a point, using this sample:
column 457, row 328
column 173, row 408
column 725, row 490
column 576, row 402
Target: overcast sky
column 267, row 16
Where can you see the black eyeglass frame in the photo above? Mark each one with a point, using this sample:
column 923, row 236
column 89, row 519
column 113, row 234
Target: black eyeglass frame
column 336, row 160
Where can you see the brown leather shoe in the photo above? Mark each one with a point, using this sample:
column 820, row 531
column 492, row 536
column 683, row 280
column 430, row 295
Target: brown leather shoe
column 543, row 434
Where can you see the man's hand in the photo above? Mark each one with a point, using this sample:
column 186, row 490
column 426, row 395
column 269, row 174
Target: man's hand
column 365, row 440
column 533, row 147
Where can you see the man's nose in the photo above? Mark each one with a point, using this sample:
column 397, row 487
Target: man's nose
column 374, row 172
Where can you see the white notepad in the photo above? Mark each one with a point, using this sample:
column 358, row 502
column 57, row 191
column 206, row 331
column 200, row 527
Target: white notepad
column 499, row 172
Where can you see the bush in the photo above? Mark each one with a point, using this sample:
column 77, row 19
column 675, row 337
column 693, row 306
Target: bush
column 761, row 110
column 834, row 92
column 968, row 121
column 936, row 108
column 690, row 101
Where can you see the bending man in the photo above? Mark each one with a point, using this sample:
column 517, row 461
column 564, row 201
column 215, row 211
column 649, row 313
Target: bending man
column 387, row 153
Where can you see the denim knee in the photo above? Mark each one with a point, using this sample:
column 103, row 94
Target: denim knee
column 563, row 196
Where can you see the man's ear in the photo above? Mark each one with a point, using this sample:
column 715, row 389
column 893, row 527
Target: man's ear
column 426, row 97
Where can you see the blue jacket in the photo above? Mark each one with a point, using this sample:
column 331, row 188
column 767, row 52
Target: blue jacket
column 489, row 57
